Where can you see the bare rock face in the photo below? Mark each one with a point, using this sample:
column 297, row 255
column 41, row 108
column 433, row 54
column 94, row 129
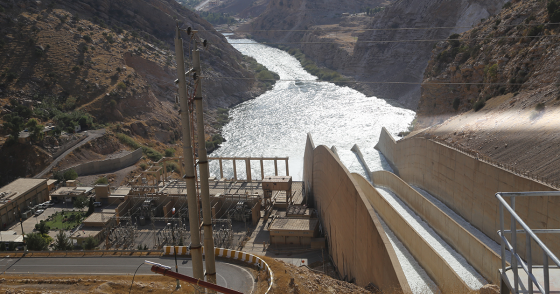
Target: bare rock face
column 369, row 60
column 405, row 61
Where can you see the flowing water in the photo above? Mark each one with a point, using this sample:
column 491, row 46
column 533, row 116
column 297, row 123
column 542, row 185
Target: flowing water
column 277, row 122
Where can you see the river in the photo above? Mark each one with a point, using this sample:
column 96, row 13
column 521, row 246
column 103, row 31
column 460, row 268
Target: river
column 277, row 122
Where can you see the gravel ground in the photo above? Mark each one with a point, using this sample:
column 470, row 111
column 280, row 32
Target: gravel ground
column 465, row 224
column 457, row 262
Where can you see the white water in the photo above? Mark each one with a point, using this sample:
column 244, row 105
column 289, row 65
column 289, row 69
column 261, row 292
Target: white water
column 277, row 122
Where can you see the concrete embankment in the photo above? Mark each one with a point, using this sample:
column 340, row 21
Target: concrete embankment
column 468, row 185
column 107, row 165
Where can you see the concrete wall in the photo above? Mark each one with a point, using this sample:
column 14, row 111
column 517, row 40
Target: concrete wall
column 480, row 256
column 308, row 169
column 433, row 263
column 468, row 186
column 357, row 242
column 107, row 165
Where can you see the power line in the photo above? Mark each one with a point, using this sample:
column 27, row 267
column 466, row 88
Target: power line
column 388, row 41
column 366, row 82
column 379, row 29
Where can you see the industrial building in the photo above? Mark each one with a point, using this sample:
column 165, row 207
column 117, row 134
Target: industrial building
column 18, row 196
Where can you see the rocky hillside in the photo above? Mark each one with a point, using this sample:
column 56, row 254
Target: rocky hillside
column 354, row 54
column 509, row 107
column 100, row 63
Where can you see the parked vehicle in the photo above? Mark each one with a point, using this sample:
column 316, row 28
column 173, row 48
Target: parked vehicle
column 97, row 204
column 38, row 212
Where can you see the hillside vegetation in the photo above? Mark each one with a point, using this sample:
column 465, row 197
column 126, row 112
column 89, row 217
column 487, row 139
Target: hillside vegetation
column 103, row 64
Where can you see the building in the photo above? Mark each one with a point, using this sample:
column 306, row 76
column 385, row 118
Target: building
column 93, row 226
column 18, row 196
column 293, row 231
column 69, row 194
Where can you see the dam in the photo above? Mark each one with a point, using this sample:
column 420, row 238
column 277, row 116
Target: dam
column 410, row 216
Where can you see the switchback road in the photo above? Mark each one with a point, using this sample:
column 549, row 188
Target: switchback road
column 229, row 275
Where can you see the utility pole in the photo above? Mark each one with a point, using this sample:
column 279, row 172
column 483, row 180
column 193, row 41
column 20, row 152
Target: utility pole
column 210, row 259
column 195, row 247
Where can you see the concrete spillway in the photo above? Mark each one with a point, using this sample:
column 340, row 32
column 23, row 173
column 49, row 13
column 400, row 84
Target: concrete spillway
column 418, row 279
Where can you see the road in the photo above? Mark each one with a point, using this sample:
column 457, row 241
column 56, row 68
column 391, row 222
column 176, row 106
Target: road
column 91, row 135
column 201, row 5
column 228, row 275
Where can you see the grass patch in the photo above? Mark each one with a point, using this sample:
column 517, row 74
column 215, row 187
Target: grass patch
column 65, row 220
column 151, row 153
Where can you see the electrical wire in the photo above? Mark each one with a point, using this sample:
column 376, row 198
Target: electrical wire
column 366, row 82
column 388, row 41
column 380, row 29
column 129, row 290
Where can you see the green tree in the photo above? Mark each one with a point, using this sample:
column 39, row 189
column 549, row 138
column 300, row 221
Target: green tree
column 36, row 242
column 80, row 202
column 62, row 242
column 91, row 207
column 13, row 124
column 70, row 175
column 35, row 130
column 42, row 227
column 90, row 243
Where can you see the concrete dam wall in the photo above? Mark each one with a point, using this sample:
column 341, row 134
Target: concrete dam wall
column 357, row 242
column 107, row 165
column 468, row 185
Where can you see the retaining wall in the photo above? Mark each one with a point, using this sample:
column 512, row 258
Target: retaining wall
column 433, row 263
column 68, row 146
column 357, row 242
column 480, row 256
column 107, row 165
column 468, row 186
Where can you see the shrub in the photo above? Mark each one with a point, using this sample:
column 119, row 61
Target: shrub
column 507, row 5
column 456, row 103
column 152, row 154
column 87, row 38
column 553, row 9
column 540, row 106
column 491, row 70
column 143, row 166
column 42, row 227
column 128, row 141
column 121, row 86
column 102, row 180
column 171, row 166
column 75, row 68
column 70, row 175
column 478, row 105
column 535, row 30
column 454, row 40
column 169, row 152
column 90, row 243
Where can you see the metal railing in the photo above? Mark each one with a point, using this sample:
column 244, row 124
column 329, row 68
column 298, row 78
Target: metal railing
column 530, row 234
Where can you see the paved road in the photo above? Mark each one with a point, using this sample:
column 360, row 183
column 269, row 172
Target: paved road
column 91, row 135
column 228, row 275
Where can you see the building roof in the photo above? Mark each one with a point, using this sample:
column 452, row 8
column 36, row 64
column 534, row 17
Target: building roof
column 71, row 191
column 51, row 181
column 98, row 217
column 121, row 191
column 18, row 187
column 294, row 224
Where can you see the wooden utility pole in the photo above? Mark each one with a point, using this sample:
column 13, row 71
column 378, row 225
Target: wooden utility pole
column 195, row 247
